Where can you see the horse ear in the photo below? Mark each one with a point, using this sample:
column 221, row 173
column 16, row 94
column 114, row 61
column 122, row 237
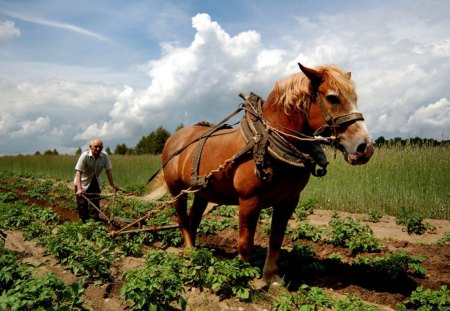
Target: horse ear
column 315, row 76
column 349, row 75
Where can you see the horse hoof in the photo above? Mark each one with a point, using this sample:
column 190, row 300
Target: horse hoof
column 276, row 281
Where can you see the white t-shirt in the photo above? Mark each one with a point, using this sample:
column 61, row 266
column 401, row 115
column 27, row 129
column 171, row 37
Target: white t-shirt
column 89, row 167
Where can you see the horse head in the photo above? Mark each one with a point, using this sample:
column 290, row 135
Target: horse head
column 333, row 112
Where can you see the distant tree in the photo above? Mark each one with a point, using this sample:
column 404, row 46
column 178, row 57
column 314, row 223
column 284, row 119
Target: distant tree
column 154, row 142
column 121, row 149
column 37, row 153
column 108, row 150
column 51, row 152
column 380, row 141
column 78, row 151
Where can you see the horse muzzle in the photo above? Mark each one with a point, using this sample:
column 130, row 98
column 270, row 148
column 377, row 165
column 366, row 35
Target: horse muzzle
column 360, row 154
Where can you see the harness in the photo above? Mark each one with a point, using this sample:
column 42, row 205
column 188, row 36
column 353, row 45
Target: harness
column 266, row 143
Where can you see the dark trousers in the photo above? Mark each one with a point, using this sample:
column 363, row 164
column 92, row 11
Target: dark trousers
column 85, row 209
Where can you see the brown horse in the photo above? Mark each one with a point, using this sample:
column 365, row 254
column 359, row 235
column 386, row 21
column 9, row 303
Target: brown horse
column 308, row 103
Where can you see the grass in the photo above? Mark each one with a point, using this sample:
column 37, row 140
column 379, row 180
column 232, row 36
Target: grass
column 412, row 178
column 127, row 170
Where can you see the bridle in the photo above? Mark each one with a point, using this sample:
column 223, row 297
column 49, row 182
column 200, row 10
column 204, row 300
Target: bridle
column 332, row 124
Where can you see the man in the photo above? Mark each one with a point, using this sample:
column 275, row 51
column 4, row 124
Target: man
column 87, row 179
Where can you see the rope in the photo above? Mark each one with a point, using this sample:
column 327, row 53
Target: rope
column 151, row 213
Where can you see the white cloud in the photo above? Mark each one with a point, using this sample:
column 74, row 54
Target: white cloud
column 60, row 25
column 34, row 115
column 200, row 81
column 430, row 121
column 31, row 127
column 8, row 30
column 393, row 79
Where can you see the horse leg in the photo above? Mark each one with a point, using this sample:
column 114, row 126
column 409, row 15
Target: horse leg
column 248, row 219
column 280, row 218
column 183, row 219
column 195, row 215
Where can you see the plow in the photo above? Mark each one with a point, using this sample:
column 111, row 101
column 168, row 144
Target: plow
column 120, row 226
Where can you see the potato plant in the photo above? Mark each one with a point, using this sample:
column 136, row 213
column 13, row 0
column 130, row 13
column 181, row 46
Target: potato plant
column 86, row 248
column 19, row 290
column 350, row 233
column 159, row 284
column 427, row 299
column 413, row 221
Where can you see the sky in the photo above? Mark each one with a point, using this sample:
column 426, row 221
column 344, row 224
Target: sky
column 74, row 70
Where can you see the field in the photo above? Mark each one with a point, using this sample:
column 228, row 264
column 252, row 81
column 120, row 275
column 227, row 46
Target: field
column 414, row 178
column 368, row 256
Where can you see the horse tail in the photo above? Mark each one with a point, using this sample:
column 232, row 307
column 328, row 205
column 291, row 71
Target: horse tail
column 157, row 186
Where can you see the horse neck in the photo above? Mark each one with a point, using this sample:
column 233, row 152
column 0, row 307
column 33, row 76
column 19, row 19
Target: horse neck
column 278, row 118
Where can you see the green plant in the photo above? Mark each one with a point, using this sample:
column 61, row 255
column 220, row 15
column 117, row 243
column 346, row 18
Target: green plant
column 6, row 197
column 427, row 300
column 11, row 269
column 413, row 222
column 394, row 265
column 34, row 220
column 445, row 239
column 375, row 215
column 352, row 303
column 305, row 208
column 85, row 248
column 336, row 257
column 39, row 190
column 225, row 211
column 20, row 291
column 131, row 244
column 305, row 299
column 195, row 269
column 231, row 277
column 350, row 233
column 307, row 231
column 209, row 226
column 44, row 293
column 157, row 286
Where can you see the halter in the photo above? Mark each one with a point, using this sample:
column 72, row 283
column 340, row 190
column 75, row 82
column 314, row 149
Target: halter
column 332, row 124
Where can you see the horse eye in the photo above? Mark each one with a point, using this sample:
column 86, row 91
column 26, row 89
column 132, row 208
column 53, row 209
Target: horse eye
column 333, row 99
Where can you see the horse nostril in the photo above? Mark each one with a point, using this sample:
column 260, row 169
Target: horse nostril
column 361, row 148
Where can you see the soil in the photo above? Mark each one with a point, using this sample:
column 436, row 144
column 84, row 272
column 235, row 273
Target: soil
column 337, row 280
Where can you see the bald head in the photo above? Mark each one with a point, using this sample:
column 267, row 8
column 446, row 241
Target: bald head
column 96, row 146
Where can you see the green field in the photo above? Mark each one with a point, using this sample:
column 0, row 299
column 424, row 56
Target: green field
column 415, row 178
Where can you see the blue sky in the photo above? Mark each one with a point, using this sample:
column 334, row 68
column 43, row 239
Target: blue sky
column 72, row 70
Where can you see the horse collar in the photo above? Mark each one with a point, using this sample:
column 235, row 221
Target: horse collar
column 268, row 142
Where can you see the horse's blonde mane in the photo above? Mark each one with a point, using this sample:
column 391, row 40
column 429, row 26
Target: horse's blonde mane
column 294, row 91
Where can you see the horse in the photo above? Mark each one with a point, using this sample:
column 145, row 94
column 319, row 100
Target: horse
column 303, row 110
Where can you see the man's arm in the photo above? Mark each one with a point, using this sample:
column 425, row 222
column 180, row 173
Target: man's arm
column 111, row 180
column 78, row 183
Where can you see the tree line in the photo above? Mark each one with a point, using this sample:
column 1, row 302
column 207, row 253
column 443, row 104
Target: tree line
column 414, row 142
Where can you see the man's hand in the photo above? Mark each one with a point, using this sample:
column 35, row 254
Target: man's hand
column 115, row 188
column 79, row 192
